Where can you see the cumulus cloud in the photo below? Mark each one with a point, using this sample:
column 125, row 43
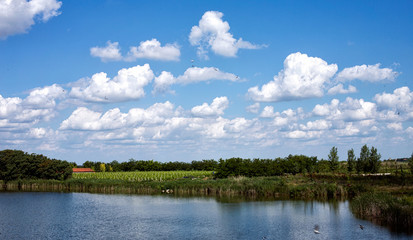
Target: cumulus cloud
column 109, row 53
column 17, row 113
column 163, row 82
column 371, row 73
column 339, row 89
column 401, row 100
column 85, row 119
column 268, row 112
column 152, row 49
column 395, row 126
column 253, row 108
column 302, row 77
column 212, row 32
column 9, row 106
column 127, row 85
column 349, row 110
column 196, row 74
column 320, row 124
column 45, row 97
column 17, row 16
column 216, row 108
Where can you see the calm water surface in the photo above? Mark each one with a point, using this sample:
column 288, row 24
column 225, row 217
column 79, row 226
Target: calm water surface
column 97, row 216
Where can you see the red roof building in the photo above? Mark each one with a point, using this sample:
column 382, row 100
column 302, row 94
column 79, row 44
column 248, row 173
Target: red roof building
column 82, row 170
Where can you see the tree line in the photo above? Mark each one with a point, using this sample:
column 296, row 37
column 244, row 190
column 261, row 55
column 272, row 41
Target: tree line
column 16, row 164
column 150, row 165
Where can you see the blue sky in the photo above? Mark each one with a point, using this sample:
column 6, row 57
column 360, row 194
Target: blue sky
column 193, row 80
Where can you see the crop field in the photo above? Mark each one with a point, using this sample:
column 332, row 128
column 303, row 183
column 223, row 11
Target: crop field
column 143, row 176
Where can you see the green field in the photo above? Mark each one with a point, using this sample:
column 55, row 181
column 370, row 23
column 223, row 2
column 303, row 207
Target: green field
column 143, row 176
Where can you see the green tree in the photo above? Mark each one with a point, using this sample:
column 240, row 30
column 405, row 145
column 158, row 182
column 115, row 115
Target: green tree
column 411, row 164
column 362, row 161
column 333, row 159
column 102, row 167
column 374, row 161
column 351, row 160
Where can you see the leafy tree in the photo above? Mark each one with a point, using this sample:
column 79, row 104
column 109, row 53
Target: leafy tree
column 411, row 164
column 16, row 165
column 333, row 159
column 374, row 161
column 351, row 160
column 362, row 161
column 102, row 167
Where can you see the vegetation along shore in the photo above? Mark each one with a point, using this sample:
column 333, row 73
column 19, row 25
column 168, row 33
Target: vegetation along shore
column 381, row 191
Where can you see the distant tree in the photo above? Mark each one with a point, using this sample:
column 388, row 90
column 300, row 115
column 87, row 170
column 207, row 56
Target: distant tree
column 411, row 164
column 333, row 159
column 88, row 164
column 362, row 161
column 351, row 160
column 374, row 161
column 102, row 167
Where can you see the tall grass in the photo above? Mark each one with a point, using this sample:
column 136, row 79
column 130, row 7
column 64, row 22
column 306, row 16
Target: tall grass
column 384, row 209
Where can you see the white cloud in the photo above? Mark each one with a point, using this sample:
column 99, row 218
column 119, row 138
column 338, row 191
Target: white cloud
column 348, row 130
column 17, row 16
column 163, row 82
column 302, row 77
column 109, row 53
column 298, row 134
column 37, row 132
column 395, row 126
column 45, row 97
column 216, row 108
column 350, row 110
column 127, row 85
column 339, row 89
column 268, row 112
column 152, row 49
column 17, row 113
column 320, row 124
column 191, row 75
column 85, row 119
column 196, row 74
column 409, row 131
column 212, row 32
column 401, row 100
column 326, row 109
column 253, row 108
column 371, row 73
column 9, row 106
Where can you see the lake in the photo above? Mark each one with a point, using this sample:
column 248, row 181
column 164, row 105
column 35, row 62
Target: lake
column 30, row 215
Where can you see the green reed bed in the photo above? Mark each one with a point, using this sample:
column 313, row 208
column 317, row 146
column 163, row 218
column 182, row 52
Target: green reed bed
column 385, row 209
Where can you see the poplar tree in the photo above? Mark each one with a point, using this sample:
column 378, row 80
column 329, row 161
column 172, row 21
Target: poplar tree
column 333, row 158
column 362, row 161
column 351, row 160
